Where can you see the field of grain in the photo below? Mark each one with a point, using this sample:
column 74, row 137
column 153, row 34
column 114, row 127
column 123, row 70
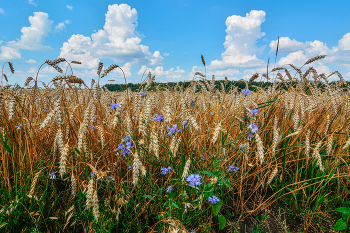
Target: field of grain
column 202, row 159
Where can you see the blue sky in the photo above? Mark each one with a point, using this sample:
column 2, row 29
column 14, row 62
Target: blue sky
column 168, row 37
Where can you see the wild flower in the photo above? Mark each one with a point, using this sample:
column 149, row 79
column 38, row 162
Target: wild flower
column 92, row 174
column 92, row 127
column 242, row 146
column 193, row 230
column 125, row 149
column 114, row 105
column 185, row 124
column 19, row 126
column 253, row 127
column 173, row 129
column 246, row 92
column 134, row 118
column 213, row 199
column 169, row 189
column 254, row 111
column 130, row 167
column 159, row 117
column 233, row 168
column 203, row 158
column 111, row 178
column 165, row 170
column 193, row 103
column 53, row 175
column 143, row 93
column 46, row 109
column 194, row 179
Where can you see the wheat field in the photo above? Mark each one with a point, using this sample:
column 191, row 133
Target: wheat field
column 206, row 158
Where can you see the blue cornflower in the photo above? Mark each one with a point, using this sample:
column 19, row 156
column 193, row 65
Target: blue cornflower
column 46, row 109
column 213, row 199
column 233, row 168
column 111, row 178
column 53, row 175
column 203, row 158
column 114, row 105
column 241, row 147
column 19, row 126
column 254, row 111
column 130, row 167
column 134, row 118
column 253, row 127
column 185, row 124
column 193, row 230
column 246, row 92
column 194, row 179
column 143, row 93
column 92, row 174
column 169, row 189
column 173, row 129
column 92, row 127
column 79, row 85
column 165, row 170
column 193, row 103
column 158, row 117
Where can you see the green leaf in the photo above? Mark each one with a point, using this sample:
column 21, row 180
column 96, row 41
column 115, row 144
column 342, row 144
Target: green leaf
column 216, row 208
column 222, row 222
column 340, row 225
column 175, row 205
column 3, row 224
column 5, row 145
column 77, row 150
column 207, row 173
column 226, row 182
column 343, row 210
column 208, row 190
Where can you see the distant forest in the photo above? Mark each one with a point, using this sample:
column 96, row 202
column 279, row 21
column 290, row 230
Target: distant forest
column 239, row 84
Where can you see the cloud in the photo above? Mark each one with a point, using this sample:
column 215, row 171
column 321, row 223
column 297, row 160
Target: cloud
column 32, row 37
column 32, row 2
column 30, row 61
column 166, row 54
column 240, row 42
column 344, row 43
column 2, row 11
column 8, row 53
column 61, row 26
column 171, row 74
column 219, row 74
column 118, row 41
column 69, row 7
column 286, row 45
column 300, row 52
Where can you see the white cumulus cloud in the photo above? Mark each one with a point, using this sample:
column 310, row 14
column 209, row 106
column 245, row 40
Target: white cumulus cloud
column 69, row 7
column 32, row 37
column 30, row 61
column 61, row 26
column 118, row 41
column 8, row 53
column 159, row 72
column 240, row 42
column 166, row 54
